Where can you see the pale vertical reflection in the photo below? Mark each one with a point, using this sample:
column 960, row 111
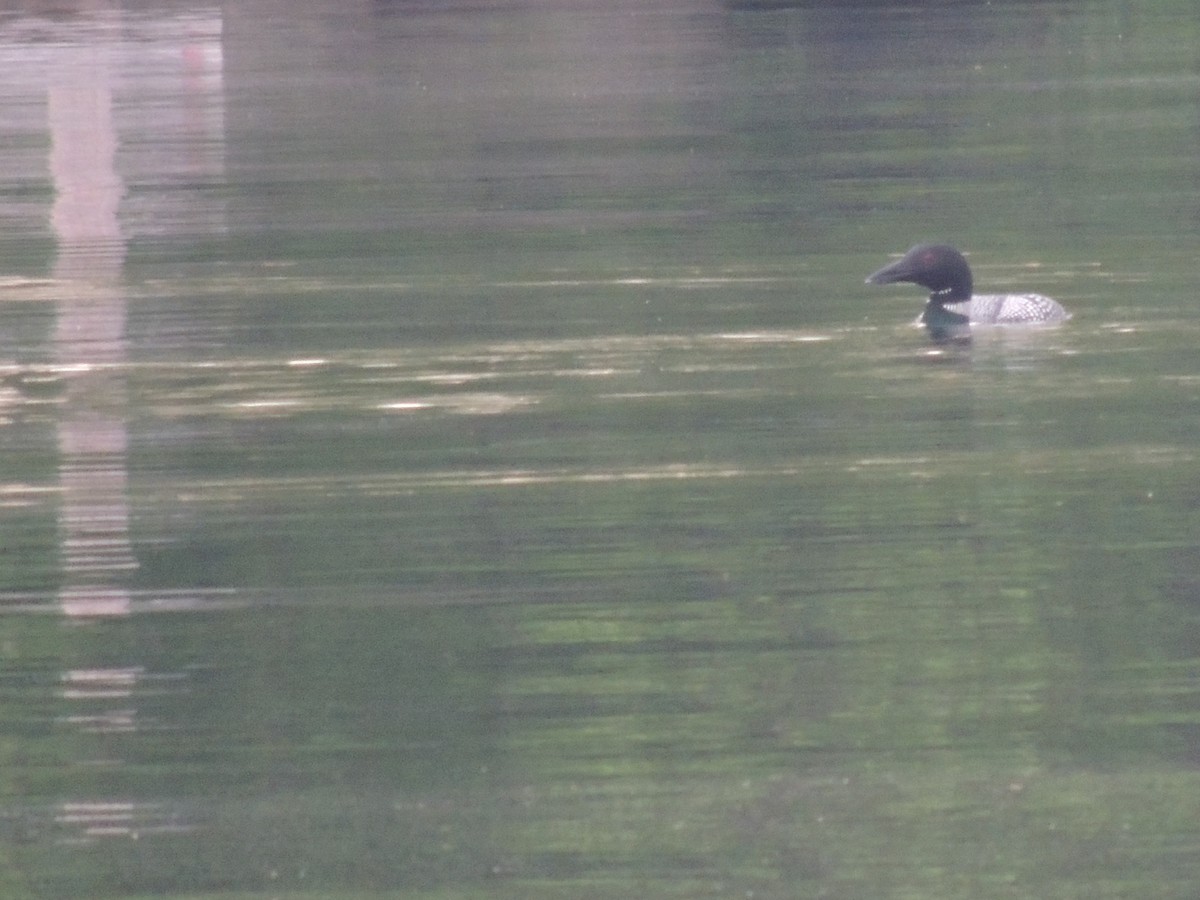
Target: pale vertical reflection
column 167, row 74
column 89, row 335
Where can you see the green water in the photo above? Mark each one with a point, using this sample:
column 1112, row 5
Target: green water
column 451, row 452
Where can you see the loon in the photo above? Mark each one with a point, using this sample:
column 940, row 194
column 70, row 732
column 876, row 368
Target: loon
column 952, row 307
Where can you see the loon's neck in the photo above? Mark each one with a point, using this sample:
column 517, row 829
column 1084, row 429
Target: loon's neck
column 944, row 324
column 956, row 293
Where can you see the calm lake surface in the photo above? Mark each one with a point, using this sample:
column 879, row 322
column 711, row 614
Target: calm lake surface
column 450, row 451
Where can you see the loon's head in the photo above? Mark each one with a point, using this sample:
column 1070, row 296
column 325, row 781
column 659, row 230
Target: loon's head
column 938, row 267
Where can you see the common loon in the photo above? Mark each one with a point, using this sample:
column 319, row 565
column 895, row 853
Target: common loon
column 952, row 307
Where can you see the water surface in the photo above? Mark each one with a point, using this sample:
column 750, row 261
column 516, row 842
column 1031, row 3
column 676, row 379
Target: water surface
column 450, row 451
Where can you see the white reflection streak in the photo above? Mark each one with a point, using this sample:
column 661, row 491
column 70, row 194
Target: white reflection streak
column 91, row 353
column 89, row 333
column 118, row 819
